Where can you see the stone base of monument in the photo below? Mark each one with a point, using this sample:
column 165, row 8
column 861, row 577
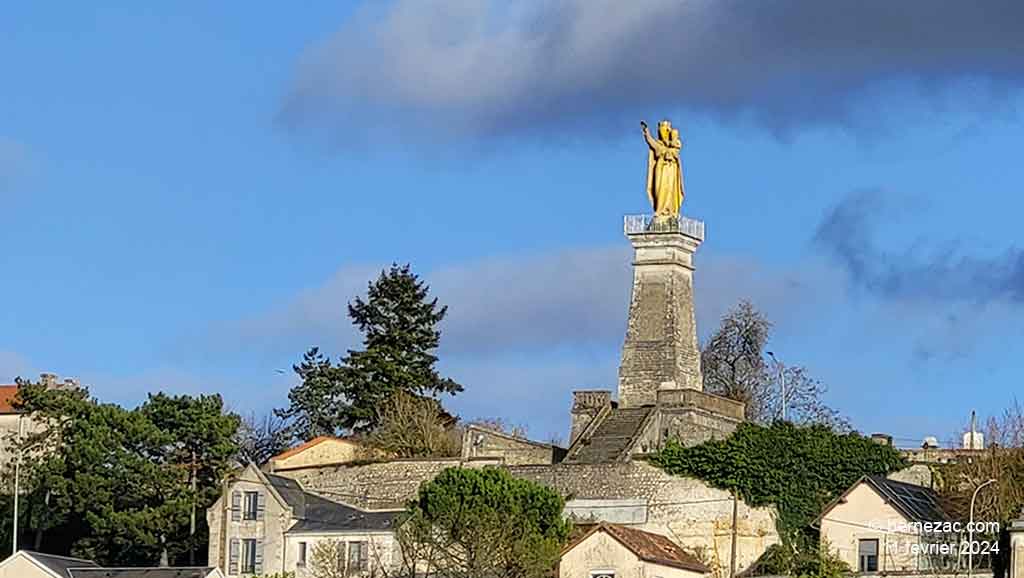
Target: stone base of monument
column 661, row 337
column 661, row 391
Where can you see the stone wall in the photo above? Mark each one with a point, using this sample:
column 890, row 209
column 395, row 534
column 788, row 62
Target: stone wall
column 485, row 443
column 695, row 515
column 379, row 485
column 689, row 511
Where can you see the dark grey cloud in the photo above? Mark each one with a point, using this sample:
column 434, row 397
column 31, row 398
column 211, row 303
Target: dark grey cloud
column 485, row 67
column 938, row 272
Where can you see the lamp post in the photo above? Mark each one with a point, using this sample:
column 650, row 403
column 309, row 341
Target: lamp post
column 970, row 529
column 17, row 489
column 782, row 381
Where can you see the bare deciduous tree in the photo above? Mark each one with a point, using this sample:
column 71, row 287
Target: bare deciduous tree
column 734, row 364
column 412, row 426
column 260, row 439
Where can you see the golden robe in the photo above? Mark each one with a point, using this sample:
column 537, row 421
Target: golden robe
column 664, row 176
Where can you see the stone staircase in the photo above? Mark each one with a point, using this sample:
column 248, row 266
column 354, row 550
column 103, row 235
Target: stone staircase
column 611, row 438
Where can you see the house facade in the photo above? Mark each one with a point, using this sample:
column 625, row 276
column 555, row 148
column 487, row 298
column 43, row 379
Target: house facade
column 14, row 423
column 614, row 551
column 880, row 525
column 265, row 523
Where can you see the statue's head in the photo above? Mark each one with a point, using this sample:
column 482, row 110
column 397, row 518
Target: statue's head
column 664, row 131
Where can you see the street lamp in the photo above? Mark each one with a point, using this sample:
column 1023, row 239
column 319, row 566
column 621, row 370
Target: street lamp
column 782, row 380
column 970, row 529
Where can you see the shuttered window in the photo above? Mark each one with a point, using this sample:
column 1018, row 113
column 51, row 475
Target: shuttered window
column 358, row 557
column 249, row 556
column 233, row 554
column 236, row 506
column 867, row 553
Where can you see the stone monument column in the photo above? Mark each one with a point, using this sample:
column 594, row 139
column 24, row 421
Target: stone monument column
column 661, row 350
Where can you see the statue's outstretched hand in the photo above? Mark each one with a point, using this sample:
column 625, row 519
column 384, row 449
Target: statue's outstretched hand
column 643, row 125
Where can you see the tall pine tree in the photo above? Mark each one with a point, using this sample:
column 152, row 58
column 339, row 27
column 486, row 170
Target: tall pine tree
column 399, row 322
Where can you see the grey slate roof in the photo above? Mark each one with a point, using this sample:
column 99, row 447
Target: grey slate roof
column 317, row 513
column 917, row 503
column 611, row 439
column 140, row 572
column 58, row 564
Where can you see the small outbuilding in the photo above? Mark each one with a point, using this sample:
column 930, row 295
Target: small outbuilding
column 615, row 551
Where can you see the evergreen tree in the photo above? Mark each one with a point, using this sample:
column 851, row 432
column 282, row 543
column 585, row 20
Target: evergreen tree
column 399, row 322
column 120, row 486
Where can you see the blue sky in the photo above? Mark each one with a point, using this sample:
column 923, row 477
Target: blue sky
column 190, row 193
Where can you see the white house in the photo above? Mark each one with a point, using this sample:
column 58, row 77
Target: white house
column 882, row 525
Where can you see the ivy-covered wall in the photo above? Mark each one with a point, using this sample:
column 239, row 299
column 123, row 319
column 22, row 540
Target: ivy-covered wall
column 796, row 469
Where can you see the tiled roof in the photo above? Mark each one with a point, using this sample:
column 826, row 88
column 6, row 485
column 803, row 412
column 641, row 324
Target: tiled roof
column 59, row 565
column 7, row 393
column 191, row 572
column 916, row 503
column 649, row 547
column 316, row 513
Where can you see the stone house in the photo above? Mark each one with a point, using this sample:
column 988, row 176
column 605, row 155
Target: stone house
column 880, row 525
column 265, row 523
column 613, row 551
column 11, row 419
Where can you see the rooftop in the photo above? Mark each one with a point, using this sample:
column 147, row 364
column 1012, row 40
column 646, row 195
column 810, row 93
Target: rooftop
column 7, row 393
column 647, row 546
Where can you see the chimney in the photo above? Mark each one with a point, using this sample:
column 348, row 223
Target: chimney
column 48, row 380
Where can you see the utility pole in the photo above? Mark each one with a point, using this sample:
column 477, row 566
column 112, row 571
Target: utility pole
column 782, row 381
column 17, row 479
column 732, row 553
column 192, row 520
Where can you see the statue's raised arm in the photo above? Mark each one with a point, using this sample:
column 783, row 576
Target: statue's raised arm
column 664, row 175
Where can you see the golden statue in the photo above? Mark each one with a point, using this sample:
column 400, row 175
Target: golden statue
column 664, row 171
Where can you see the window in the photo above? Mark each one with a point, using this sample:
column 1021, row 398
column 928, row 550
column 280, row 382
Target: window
column 867, row 554
column 248, row 556
column 358, row 559
column 251, row 506
column 302, row 554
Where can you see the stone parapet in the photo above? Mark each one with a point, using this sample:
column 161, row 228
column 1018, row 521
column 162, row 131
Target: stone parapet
column 683, row 398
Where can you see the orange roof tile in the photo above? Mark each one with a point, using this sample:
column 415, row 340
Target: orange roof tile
column 649, row 547
column 7, row 393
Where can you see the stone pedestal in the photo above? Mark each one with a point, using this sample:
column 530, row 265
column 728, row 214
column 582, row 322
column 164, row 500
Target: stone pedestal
column 661, row 350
